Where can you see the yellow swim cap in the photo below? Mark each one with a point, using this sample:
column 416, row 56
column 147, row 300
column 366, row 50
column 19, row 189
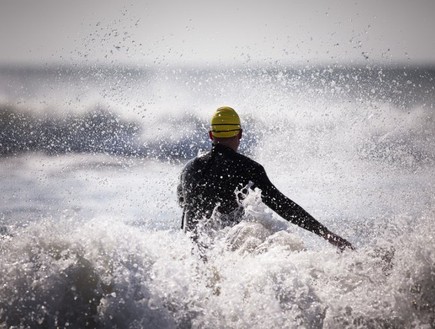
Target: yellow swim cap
column 225, row 123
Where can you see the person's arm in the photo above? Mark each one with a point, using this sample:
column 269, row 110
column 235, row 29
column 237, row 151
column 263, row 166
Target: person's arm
column 337, row 241
column 180, row 196
column 295, row 214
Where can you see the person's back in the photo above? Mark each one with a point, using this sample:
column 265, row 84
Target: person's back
column 210, row 183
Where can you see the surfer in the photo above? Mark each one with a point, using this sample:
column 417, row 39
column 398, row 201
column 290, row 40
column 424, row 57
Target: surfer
column 211, row 184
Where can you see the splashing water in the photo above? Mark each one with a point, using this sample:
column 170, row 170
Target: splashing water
column 89, row 225
column 103, row 273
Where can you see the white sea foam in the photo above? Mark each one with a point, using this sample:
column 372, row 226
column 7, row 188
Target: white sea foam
column 106, row 273
column 92, row 240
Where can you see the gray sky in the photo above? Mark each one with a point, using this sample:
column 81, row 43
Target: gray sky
column 217, row 32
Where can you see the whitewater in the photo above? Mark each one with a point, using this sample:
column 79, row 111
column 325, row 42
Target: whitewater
column 90, row 226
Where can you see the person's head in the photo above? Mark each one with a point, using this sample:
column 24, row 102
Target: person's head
column 225, row 127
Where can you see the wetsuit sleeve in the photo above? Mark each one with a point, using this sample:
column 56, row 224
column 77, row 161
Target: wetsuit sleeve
column 181, row 187
column 285, row 207
column 180, row 198
column 180, row 194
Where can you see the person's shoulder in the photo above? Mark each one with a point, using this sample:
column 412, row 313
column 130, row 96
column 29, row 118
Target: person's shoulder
column 247, row 161
column 197, row 161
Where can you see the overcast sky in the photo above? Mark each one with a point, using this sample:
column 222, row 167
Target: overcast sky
column 217, row 32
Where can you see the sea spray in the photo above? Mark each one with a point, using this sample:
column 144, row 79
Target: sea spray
column 106, row 273
column 90, row 236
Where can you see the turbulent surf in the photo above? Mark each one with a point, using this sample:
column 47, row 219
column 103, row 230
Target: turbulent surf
column 89, row 223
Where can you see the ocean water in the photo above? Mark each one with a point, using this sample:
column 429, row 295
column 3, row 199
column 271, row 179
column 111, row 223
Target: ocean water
column 90, row 227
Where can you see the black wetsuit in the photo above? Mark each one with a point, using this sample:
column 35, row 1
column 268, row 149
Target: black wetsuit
column 211, row 181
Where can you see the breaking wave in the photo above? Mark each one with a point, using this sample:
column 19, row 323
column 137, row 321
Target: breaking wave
column 89, row 226
column 108, row 274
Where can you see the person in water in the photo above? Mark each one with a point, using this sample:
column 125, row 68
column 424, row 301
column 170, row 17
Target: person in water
column 211, row 184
